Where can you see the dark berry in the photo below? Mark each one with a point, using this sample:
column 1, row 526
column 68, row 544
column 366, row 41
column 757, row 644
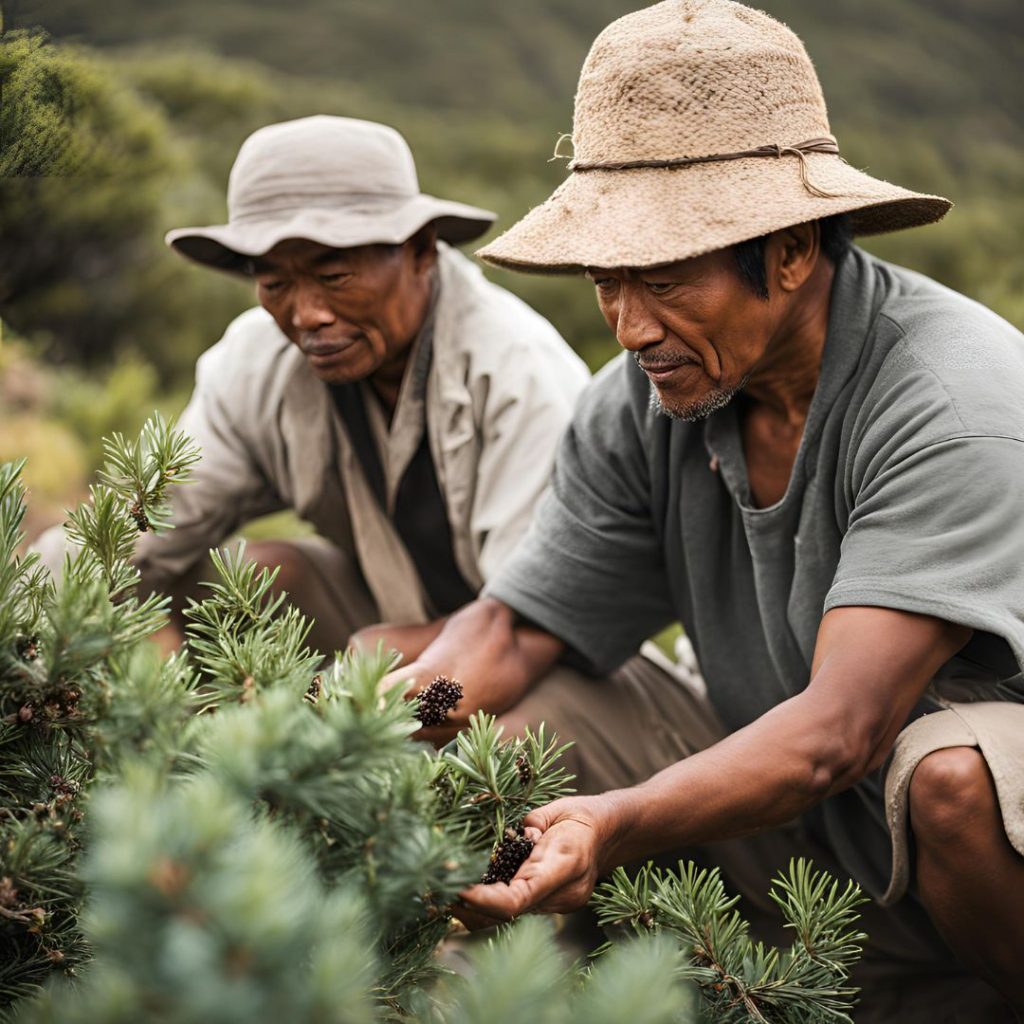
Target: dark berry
column 314, row 690
column 437, row 700
column 508, row 857
column 28, row 648
column 138, row 513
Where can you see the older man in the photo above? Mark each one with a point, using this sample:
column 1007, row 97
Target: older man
column 815, row 461
column 383, row 389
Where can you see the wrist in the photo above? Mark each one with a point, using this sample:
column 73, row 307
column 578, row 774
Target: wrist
column 618, row 817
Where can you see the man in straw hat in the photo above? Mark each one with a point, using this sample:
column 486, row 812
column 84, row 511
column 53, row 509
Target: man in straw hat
column 383, row 389
column 815, row 461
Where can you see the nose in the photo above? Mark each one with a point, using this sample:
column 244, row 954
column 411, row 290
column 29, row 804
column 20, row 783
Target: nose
column 636, row 326
column 310, row 308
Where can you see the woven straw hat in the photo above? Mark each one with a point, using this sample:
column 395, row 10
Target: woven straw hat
column 698, row 124
column 333, row 180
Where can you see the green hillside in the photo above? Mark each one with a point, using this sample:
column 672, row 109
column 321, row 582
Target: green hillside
column 923, row 92
column 946, row 61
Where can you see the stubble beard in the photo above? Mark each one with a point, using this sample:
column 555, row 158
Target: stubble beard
column 699, row 409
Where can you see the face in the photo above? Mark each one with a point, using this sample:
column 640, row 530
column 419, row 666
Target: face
column 694, row 327
column 354, row 313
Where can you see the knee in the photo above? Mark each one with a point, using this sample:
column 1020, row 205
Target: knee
column 280, row 555
column 949, row 790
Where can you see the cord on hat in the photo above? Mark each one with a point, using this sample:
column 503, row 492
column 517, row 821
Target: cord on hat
column 823, row 144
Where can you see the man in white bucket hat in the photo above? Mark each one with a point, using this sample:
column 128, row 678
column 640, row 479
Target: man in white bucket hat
column 384, row 389
column 815, row 461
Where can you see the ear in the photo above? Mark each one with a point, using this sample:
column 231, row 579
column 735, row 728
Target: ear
column 424, row 248
column 792, row 254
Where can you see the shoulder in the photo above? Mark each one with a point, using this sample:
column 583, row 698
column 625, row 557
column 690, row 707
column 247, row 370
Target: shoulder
column 252, row 354
column 489, row 332
column 952, row 364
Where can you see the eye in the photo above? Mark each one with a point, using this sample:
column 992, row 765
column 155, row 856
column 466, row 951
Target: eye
column 660, row 287
column 333, row 280
column 271, row 285
column 605, row 285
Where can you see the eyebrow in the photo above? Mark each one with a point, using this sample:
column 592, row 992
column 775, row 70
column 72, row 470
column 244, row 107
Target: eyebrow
column 331, row 256
column 264, row 266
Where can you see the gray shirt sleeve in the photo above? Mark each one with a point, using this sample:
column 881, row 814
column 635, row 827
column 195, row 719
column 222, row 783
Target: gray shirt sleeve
column 591, row 569
column 939, row 530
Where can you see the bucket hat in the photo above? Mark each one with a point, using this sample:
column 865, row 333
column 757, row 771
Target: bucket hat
column 338, row 181
column 698, row 124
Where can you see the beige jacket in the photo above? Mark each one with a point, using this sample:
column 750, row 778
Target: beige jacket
column 502, row 385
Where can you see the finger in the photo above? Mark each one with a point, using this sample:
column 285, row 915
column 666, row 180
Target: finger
column 532, row 833
column 533, row 883
column 498, row 901
column 543, row 817
column 473, row 919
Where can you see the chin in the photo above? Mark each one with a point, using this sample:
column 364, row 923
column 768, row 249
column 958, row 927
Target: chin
column 691, row 407
column 341, row 374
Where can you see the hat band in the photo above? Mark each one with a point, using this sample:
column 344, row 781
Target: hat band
column 823, row 144
column 257, row 208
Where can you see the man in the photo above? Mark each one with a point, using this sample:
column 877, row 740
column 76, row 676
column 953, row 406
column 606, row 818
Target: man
column 814, row 460
column 384, row 390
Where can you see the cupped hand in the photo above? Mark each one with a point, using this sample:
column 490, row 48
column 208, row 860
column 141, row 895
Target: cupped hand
column 574, row 839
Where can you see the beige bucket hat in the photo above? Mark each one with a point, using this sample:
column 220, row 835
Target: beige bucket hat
column 698, row 124
column 334, row 180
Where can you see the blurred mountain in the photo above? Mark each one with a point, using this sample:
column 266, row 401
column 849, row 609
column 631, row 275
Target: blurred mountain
column 921, row 92
column 943, row 61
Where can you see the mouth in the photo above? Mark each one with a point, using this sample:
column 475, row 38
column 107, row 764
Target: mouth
column 321, row 352
column 662, row 371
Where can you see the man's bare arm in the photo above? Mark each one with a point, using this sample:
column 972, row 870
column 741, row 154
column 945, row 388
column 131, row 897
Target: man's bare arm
column 871, row 666
column 409, row 641
column 485, row 647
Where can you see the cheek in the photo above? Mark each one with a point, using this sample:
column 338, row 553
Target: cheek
column 282, row 319
column 609, row 309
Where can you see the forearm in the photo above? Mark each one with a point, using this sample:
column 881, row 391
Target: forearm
column 759, row 777
column 408, row 641
column 804, row 749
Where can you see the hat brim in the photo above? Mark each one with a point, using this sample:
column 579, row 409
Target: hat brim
column 653, row 216
column 229, row 247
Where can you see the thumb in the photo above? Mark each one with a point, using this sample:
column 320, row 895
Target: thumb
column 405, row 677
column 544, row 817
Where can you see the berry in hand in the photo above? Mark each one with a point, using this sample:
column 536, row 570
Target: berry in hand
column 508, row 856
column 437, row 700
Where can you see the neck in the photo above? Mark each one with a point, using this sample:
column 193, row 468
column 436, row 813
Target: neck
column 785, row 379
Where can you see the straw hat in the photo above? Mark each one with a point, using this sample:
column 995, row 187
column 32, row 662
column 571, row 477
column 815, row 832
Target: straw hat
column 698, row 124
column 333, row 180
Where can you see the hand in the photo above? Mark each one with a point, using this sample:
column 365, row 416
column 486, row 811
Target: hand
column 494, row 658
column 481, row 691
column 575, row 840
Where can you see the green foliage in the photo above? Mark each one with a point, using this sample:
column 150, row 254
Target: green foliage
column 491, row 785
column 240, row 637
column 256, row 837
column 203, row 911
column 67, row 708
column 740, row 979
column 520, row 975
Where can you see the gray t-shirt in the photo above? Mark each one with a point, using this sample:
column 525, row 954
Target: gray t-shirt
column 907, row 492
